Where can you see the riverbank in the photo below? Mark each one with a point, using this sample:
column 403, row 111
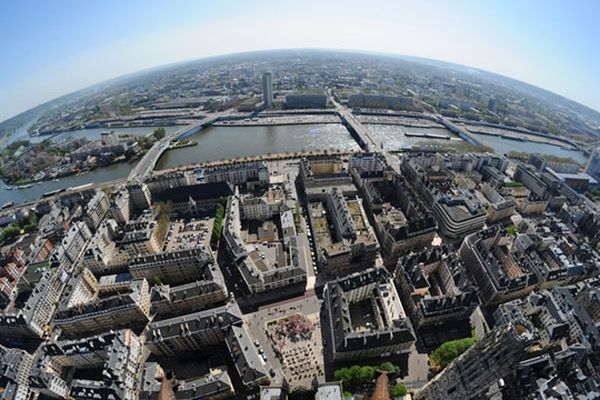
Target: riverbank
column 29, row 183
column 264, row 157
column 226, row 142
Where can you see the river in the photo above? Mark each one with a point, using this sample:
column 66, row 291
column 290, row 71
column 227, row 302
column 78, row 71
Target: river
column 108, row 173
column 503, row 146
column 223, row 142
column 393, row 138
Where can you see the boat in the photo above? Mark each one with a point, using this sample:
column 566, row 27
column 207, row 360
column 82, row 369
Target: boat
column 427, row 135
column 23, row 187
column 81, row 187
column 7, row 205
column 53, row 192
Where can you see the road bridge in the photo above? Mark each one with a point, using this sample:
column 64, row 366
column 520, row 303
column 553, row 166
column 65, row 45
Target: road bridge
column 357, row 130
column 462, row 133
column 362, row 135
column 146, row 165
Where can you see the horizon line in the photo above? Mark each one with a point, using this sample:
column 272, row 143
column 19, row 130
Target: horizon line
column 153, row 68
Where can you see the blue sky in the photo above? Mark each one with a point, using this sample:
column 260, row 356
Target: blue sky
column 50, row 48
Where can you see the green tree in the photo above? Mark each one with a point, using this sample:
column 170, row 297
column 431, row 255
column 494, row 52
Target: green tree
column 448, row 351
column 159, row 133
column 8, row 233
column 398, row 390
column 164, row 219
column 356, row 375
column 367, row 373
column 389, row 368
column 342, row 374
column 218, row 221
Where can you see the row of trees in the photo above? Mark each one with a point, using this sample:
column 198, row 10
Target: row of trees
column 164, row 219
column 218, row 224
column 357, row 375
column 28, row 225
column 593, row 194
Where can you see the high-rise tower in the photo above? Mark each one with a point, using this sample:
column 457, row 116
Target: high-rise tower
column 267, row 81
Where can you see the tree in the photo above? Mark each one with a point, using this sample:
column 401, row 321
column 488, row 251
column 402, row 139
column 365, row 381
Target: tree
column 12, row 231
column 218, row 222
column 159, row 133
column 356, row 375
column 367, row 373
column 389, row 368
column 511, row 230
column 398, row 390
column 164, row 219
column 448, row 351
column 342, row 374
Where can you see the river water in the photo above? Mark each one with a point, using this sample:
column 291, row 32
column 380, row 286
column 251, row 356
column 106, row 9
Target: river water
column 503, row 146
column 222, row 142
column 108, row 173
column 393, row 136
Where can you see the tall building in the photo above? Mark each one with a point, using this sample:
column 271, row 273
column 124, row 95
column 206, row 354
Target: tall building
column 69, row 250
column 285, row 266
column 106, row 366
column 214, row 385
column 434, row 289
column 401, row 220
column 140, row 195
column 502, row 274
column 494, row 356
column 345, row 241
column 15, row 367
column 206, row 329
column 93, row 313
column 593, row 165
column 96, row 210
column 267, row 81
column 366, row 317
column 174, row 267
column 101, row 250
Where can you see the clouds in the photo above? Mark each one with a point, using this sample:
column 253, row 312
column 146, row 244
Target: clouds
column 461, row 32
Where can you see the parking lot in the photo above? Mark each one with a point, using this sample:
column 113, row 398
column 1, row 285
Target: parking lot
column 188, row 234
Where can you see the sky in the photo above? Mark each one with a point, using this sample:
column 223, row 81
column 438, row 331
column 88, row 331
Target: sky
column 51, row 48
